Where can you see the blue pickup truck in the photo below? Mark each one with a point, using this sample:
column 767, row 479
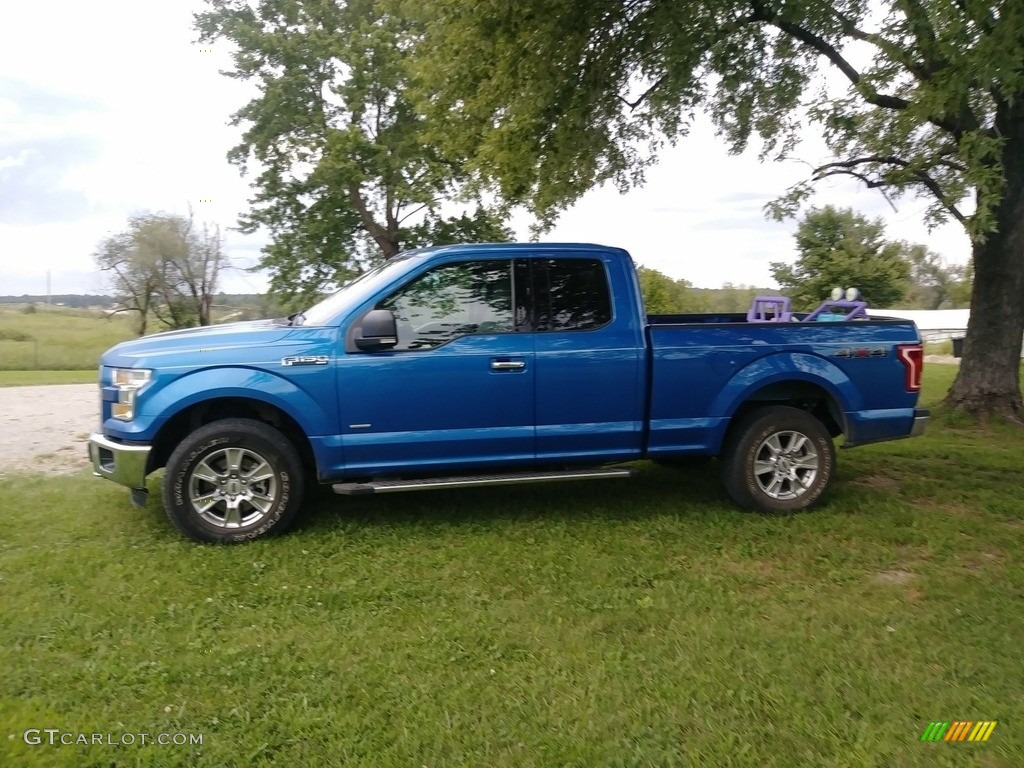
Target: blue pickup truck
column 490, row 364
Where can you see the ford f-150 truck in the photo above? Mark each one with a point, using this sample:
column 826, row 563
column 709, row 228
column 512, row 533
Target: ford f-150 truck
column 489, row 364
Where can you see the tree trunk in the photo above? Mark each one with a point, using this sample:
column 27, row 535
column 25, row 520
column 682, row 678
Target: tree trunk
column 989, row 380
column 144, row 316
column 205, row 307
column 385, row 239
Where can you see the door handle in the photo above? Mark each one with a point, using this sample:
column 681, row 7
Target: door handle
column 507, row 365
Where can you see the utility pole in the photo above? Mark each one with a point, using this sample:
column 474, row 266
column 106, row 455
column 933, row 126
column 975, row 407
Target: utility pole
column 47, row 287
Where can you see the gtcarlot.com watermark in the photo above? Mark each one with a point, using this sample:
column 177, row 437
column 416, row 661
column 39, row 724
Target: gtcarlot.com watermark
column 57, row 737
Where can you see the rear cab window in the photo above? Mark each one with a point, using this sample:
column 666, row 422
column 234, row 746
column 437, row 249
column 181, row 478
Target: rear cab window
column 570, row 295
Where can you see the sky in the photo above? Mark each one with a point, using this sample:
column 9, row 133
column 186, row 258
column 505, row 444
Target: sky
column 111, row 108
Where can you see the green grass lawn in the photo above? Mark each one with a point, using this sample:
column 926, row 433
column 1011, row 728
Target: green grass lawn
column 643, row 623
column 58, row 338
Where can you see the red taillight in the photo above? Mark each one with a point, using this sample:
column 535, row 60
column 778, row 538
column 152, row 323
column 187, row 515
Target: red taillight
column 912, row 357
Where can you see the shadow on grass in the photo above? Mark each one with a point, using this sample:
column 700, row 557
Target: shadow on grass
column 655, row 491
column 898, row 480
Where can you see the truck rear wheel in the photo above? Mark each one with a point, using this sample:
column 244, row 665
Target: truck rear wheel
column 778, row 459
column 233, row 480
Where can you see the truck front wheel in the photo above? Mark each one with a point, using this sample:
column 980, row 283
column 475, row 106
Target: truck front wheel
column 233, row 480
column 778, row 459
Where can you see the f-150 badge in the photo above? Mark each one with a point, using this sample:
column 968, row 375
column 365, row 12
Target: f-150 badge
column 306, row 360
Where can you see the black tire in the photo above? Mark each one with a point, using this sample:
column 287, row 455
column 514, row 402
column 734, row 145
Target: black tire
column 248, row 472
column 778, row 459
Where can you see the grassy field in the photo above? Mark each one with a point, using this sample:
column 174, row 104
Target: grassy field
column 944, row 347
column 29, row 378
column 58, row 338
column 643, row 623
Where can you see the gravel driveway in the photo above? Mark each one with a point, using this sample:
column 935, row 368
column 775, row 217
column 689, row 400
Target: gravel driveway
column 44, row 428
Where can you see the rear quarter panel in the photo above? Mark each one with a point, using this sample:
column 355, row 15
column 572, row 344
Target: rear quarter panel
column 703, row 372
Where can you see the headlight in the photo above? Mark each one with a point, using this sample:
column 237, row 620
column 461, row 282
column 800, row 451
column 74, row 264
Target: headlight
column 128, row 381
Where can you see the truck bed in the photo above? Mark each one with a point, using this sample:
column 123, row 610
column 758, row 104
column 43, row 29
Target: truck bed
column 703, row 365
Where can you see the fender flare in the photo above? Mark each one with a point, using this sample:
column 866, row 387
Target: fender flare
column 237, row 382
column 783, row 367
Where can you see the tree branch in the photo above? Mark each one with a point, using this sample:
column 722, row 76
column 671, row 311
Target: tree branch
column 845, row 167
column 109, row 315
column 762, row 13
column 882, row 44
column 390, row 212
column 765, row 14
column 869, row 183
column 643, row 96
column 413, row 212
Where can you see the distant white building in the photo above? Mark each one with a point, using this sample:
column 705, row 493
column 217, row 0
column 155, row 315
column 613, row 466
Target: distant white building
column 934, row 324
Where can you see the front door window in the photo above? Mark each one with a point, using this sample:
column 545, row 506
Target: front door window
column 453, row 301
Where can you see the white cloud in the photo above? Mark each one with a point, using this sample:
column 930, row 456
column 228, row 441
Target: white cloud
column 13, row 161
column 700, row 214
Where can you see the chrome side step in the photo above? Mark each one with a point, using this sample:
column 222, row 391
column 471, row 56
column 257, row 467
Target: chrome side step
column 392, row 485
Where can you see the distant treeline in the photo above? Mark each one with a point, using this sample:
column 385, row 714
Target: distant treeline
column 680, row 296
column 77, row 300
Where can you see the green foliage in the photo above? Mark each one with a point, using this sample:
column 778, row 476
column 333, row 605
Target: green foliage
column 663, row 295
column 484, row 226
column 961, row 290
column 839, row 248
column 730, row 297
column 934, row 284
column 348, row 173
column 551, row 98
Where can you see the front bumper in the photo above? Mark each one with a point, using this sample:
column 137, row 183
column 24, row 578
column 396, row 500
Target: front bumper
column 124, row 464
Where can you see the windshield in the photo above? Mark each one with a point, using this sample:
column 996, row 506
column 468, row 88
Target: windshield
column 352, row 293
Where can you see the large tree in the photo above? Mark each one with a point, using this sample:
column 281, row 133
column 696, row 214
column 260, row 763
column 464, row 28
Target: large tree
column 840, row 248
column 164, row 267
column 347, row 172
column 554, row 96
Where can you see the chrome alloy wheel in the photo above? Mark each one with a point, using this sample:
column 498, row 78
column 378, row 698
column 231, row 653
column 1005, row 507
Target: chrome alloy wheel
column 786, row 465
column 233, row 488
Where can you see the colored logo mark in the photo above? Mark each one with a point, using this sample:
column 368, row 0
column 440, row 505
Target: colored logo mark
column 960, row 730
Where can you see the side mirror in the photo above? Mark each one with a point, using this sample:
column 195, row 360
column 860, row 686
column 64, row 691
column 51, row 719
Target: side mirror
column 378, row 331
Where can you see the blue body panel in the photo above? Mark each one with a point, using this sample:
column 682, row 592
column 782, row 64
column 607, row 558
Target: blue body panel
column 634, row 387
column 591, row 386
column 703, row 374
column 240, row 360
column 414, row 409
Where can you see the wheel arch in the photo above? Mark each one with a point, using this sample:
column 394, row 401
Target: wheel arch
column 801, row 380
column 808, row 396
column 204, row 412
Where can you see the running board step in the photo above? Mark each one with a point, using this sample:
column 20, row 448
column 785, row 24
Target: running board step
column 470, row 481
